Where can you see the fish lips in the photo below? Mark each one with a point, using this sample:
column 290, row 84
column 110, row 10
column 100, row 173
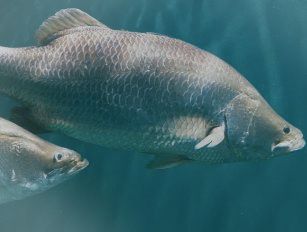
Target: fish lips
column 79, row 166
column 72, row 169
column 288, row 146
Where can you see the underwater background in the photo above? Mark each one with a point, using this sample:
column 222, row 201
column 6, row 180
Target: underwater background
column 264, row 40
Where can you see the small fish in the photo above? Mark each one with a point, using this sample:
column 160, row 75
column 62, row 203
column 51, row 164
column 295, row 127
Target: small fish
column 30, row 165
column 142, row 92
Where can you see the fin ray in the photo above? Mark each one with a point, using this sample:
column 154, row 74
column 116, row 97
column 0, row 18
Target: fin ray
column 63, row 20
column 215, row 137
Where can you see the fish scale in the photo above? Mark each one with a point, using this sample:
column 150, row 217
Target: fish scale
column 150, row 80
column 125, row 90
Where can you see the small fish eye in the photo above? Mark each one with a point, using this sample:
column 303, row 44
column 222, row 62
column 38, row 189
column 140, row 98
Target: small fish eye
column 286, row 130
column 58, row 157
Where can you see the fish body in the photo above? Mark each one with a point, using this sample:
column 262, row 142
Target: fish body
column 140, row 91
column 30, row 165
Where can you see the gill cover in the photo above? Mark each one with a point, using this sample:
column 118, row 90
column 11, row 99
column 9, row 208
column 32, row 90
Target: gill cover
column 239, row 117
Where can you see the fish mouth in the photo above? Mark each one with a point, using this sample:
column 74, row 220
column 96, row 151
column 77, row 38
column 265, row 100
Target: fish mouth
column 289, row 146
column 75, row 167
column 78, row 166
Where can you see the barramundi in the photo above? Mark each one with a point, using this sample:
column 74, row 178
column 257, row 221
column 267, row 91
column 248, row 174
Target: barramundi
column 141, row 92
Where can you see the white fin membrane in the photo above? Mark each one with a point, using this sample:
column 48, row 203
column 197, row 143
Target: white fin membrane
column 215, row 137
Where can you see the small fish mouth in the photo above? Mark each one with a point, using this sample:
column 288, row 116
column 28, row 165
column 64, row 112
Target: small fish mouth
column 78, row 166
column 75, row 167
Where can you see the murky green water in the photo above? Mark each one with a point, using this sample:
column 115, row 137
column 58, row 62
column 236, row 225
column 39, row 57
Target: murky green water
column 266, row 41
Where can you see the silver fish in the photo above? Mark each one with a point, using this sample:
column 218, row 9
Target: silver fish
column 30, row 165
column 142, row 92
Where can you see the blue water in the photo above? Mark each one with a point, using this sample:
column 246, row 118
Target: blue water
column 266, row 41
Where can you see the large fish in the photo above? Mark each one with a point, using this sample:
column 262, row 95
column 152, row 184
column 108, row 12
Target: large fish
column 141, row 92
column 30, row 165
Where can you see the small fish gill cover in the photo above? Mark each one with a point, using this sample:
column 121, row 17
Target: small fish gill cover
column 64, row 20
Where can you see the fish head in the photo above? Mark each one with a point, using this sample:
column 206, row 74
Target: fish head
column 30, row 165
column 279, row 136
column 36, row 165
column 62, row 164
column 256, row 131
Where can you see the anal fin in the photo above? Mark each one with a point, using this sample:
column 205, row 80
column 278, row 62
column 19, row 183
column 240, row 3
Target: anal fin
column 22, row 117
column 165, row 161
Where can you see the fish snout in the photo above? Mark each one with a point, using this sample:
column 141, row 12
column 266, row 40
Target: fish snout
column 289, row 145
column 79, row 166
column 69, row 169
column 70, row 162
column 299, row 144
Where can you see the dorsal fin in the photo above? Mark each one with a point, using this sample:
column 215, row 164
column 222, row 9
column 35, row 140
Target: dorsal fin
column 63, row 20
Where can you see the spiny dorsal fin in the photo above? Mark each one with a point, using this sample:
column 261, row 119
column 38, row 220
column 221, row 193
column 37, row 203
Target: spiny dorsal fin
column 63, row 20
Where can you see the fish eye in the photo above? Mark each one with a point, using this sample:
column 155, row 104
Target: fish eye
column 58, row 157
column 286, row 130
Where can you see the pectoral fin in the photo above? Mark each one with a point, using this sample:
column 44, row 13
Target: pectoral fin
column 22, row 117
column 164, row 162
column 215, row 137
